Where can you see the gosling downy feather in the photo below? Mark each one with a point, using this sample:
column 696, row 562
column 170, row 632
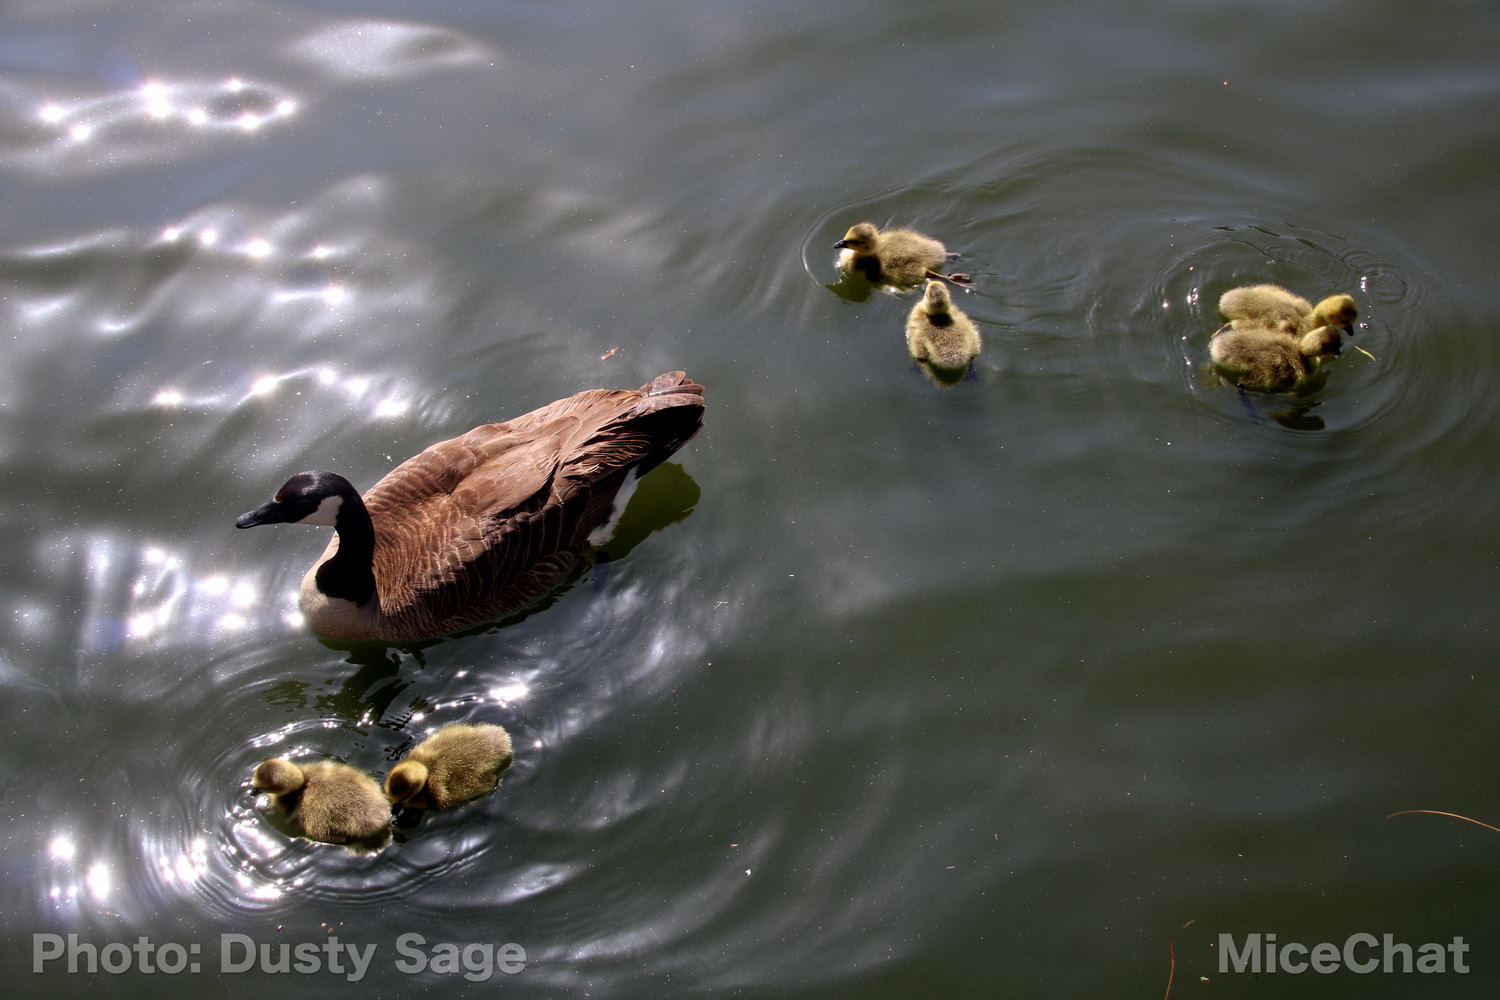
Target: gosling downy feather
column 453, row 765
column 939, row 333
column 894, row 257
column 1273, row 307
column 1265, row 306
column 325, row 801
column 1338, row 311
column 1265, row 359
column 481, row 524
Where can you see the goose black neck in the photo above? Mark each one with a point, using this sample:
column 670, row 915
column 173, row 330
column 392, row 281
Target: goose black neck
column 350, row 574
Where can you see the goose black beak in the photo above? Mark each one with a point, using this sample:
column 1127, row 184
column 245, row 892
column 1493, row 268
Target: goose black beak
column 269, row 512
column 841, row 245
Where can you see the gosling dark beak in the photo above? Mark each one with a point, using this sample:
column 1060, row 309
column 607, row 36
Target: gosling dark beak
column 269, row 512
column 841, row 245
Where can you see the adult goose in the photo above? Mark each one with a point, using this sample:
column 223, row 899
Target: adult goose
column 482, row 524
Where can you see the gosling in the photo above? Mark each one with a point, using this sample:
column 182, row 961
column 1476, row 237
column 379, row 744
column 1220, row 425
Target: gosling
column 1273, row 307
column 325, row 801
column 1338, row 311
column 1264, row 359
column 454, row 765
column 894, row 257
column 939, row 334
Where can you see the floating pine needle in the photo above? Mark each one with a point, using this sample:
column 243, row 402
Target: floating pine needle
column 1439, row 812
column 1171, row 972
column 1365, row 353
column 609, row 354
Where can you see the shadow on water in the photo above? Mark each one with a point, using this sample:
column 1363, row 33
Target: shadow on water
column 852, row 287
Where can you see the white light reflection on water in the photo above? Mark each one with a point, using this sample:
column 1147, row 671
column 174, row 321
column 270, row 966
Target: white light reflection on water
column 509, row 694
column 73, row 881
column 164, row 594
column 226, row 104
column 100, row 880
column 153, row 119
column 326, row 290
column 390, row 404
column 187, row 868
column 62, row 847
column 383, row 50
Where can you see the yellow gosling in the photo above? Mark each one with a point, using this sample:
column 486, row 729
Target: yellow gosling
column 1273, row 307
column 325, row 801
column 940, row 335
column 1265, row 359
column 894, row 257
column 454, row 765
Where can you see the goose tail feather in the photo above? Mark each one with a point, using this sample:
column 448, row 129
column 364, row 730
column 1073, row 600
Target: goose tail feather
column 671, row 411
column 667, row 390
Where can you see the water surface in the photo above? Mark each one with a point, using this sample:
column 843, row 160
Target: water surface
column 1028, row 687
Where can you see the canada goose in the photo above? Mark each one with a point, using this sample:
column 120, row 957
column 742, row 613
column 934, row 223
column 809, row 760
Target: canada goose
column 328, row 802
column 455, row 764
column 1265, row 359
column 939, row 334
column 1273, row 307
column 481, row 524
column 894, row 257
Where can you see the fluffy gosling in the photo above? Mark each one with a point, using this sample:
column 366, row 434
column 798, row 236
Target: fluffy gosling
column 939, row 335
column 894, row 257
column 1264, row 359
column 1336, row 311
column 1273, row 307
column 325, row 801
column 453, row 765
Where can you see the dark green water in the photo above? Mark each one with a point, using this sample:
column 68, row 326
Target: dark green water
column 1026, row 688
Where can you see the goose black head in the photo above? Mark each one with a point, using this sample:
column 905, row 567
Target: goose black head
column 306, row 498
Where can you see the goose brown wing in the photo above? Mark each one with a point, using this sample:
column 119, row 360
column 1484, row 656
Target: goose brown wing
column 484, row 523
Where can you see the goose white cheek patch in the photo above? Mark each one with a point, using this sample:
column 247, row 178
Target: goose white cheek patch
column 326, row 513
